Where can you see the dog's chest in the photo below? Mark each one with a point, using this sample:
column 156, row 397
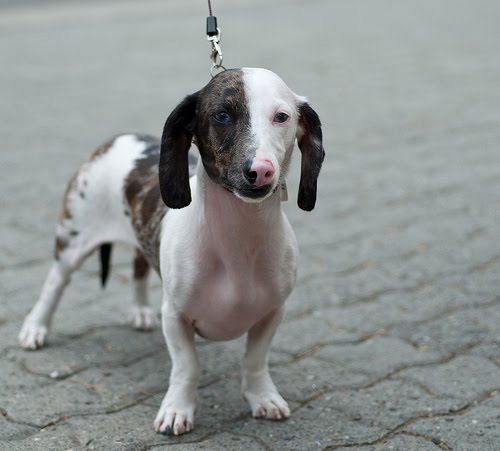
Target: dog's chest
column 232, row 264
column 226, row 282
column 230, row 295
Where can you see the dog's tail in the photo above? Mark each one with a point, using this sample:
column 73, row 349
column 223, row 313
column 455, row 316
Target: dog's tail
column 105, row 251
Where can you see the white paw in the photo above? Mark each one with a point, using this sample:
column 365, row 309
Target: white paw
column 176, row 414
column 143, row 318
column 32, row 335
column 270, row 406
column 261, row 393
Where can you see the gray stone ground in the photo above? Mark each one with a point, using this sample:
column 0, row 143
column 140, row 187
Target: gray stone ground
column 391, row 338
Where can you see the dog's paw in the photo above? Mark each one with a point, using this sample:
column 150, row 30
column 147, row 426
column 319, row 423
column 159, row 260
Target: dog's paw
column 270, row 406
column 176, row 415
column 262, row 395
column 143, row 318
column 32, row 335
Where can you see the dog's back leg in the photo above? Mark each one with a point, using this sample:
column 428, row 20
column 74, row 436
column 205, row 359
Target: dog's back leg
column 69, row 256
column 95, row 213
column 142, row 316
column 82, row 227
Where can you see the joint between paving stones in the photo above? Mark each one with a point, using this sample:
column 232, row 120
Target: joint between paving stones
column 438, row 442
column 398, row 429
column 9, row 419
column 169, row 441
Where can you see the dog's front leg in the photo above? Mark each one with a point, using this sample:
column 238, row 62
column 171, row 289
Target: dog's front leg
column 257, row 386
column 176, row 414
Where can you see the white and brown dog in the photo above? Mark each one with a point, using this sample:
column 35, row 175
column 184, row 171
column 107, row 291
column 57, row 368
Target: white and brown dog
column 226, row 254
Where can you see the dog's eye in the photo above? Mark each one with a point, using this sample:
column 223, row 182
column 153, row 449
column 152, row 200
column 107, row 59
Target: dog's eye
column 281, row 118
column 222, row 117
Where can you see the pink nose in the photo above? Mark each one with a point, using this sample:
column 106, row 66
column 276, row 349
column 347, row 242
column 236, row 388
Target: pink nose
column 261, row 172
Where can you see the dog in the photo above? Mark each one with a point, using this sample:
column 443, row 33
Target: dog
column 212, row 227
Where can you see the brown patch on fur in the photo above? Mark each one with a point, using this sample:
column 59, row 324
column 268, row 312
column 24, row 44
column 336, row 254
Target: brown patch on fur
column 217, row 142
column 60, row 245
column 150, row 203
column 73, row 182
column 141, row 266
column 72, row 186
column 142, row 193
column 102, row 149
column 224, row 147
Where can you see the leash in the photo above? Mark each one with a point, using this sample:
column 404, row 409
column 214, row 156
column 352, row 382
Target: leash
column 213, row 36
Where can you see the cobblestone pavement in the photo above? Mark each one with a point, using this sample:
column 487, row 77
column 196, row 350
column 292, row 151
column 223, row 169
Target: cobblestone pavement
column 391, row 338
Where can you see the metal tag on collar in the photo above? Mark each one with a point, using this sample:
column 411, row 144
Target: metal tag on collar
column 284, row 192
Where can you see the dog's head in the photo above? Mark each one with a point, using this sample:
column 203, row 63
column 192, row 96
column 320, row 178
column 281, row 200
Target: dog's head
column 244, row 122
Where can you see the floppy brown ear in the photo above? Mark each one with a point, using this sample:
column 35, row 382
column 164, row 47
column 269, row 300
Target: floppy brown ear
column 175, row 143
column 310, row 141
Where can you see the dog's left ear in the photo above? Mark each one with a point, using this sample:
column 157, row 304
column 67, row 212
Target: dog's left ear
column 175, row 143
column 310, row 141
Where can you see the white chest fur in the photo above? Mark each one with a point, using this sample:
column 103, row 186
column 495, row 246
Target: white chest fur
column 233, row 264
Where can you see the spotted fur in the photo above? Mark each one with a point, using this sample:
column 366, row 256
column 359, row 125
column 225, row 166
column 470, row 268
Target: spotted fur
column 144, row 205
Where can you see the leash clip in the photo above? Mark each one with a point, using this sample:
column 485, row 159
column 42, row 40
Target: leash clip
column 213, row 36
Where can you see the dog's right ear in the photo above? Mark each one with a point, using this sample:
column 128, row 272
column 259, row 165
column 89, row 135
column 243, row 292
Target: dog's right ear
column 175, row 143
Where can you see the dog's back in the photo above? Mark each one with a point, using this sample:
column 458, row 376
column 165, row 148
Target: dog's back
column 115, row 196
column 95, row 208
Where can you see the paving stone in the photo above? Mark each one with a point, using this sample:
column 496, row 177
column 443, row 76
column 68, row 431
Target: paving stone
column 17, row 390
column 479, row 284
column 449, row 334
column 12, row 432
column 398, row 308
column 376, row 357
column 346, row 417
column 346, row 366
column 476, row 428
column 399, row 442
column 109, row 347
column 225, row 441
column 310, row 376
column 220, row 403
column 299, row 335
column 464, row 378
column 490, row 350
column 127, row 429
column 222, row 359
column 92, row 391
column 311, row 296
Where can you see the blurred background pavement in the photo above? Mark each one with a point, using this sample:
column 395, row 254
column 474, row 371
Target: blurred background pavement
column 391, row 338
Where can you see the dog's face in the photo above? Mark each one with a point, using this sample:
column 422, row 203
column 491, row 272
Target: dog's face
column 244, row 123
column 246, row 119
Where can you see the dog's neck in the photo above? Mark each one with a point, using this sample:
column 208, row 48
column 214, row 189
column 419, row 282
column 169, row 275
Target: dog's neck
column 227, row 216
